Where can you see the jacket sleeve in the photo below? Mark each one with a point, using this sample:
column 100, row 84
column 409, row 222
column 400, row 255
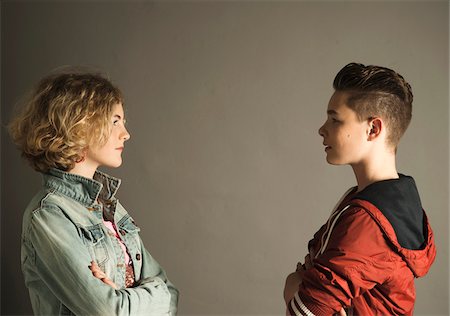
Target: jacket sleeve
column 151, row 269
column 312, row 244
column 62, row 262
column 356, row 258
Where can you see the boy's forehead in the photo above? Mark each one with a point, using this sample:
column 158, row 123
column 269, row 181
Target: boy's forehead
column 338, row 103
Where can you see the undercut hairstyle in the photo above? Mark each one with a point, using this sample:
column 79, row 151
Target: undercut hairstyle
column 64, row 114
column 376, row 91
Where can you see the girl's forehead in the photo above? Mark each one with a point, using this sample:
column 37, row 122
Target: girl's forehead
column 118, row 109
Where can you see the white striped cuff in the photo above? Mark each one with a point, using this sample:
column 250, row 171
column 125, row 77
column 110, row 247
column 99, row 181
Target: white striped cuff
column 299, row 308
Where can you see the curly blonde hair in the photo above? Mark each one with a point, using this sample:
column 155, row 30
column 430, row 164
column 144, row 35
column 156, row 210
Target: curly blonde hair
column 65, row 113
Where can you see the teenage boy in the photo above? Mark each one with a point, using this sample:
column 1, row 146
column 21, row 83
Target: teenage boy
column 378, row 238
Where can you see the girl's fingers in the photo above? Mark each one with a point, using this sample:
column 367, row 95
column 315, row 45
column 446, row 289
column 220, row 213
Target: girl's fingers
column 99, row 274
column 109, row 282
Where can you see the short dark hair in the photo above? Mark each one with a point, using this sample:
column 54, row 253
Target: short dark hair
column 377, row 91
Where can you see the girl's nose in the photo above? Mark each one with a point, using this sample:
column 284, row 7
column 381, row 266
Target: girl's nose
column 125, row 135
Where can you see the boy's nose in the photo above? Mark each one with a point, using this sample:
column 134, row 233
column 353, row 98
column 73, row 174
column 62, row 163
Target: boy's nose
column 322, row 131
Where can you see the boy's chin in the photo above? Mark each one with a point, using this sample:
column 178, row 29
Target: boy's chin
column 334, row 162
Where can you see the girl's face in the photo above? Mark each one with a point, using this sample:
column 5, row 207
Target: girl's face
column 110, row 154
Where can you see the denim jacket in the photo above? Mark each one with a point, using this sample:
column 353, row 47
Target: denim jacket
column 63, row 232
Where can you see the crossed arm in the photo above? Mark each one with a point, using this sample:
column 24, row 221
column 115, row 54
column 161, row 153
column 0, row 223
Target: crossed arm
column 49, row 236
column 99, row 274
column 294, row 280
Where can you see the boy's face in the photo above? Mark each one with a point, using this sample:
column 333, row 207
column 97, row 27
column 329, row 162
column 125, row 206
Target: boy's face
column 344, row 135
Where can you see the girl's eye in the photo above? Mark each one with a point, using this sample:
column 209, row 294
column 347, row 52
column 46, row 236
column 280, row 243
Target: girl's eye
column 116, row 122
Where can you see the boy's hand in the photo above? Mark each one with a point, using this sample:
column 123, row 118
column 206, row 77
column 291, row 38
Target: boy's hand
column 292, row 284
column 99, row 274
column 308, row 262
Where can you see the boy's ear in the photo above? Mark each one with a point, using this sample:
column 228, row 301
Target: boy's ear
column 375, row 128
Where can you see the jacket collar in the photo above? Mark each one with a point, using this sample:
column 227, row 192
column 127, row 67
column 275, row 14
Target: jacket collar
column 84, row 190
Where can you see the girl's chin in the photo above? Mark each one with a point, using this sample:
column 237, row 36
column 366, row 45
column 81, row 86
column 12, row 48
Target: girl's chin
column 114, row 165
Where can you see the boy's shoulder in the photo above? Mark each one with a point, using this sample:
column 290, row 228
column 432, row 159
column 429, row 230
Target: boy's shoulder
column 399, row 202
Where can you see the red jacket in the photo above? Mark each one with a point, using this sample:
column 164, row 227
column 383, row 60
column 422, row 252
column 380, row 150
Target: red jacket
column 359, row 262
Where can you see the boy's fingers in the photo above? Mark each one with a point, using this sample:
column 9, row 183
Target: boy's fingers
column 308, row 262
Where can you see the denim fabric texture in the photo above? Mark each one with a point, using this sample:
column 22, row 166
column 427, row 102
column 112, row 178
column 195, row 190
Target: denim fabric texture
column 63, row 232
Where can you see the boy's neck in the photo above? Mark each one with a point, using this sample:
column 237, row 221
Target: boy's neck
column 383, row 168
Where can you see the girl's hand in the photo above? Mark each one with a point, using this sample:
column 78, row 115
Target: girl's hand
column 99, row 274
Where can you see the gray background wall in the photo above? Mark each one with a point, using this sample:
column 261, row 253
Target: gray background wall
column 225, row 172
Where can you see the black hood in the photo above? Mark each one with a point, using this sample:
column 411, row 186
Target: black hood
column 399, row 201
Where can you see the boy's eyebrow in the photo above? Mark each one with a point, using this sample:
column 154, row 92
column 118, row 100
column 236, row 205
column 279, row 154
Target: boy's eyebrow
column 332, row 112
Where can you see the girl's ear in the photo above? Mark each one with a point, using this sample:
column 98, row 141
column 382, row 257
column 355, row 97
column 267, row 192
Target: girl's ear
column 82, row 156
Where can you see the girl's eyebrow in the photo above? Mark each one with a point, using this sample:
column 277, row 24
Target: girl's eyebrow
column 117, row 116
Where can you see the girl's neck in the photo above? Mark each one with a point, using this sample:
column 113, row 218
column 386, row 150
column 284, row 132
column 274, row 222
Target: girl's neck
column 83, row 169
